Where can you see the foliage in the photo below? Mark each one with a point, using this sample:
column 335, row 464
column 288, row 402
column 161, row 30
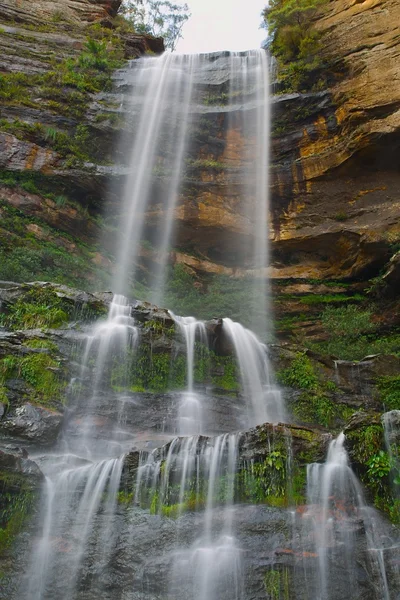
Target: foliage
column 266, row 481
column 352, row 334
column 348, row 321
column 37, row 308
column 300, row 374
column 160, row 18
column 278, row 584
column 295, row 41
column 219, row 296
column 24, row 257
column 389, row 388
column 67, row 87
column 375, row 468
column 378, row 466
column 314, row 404
column 207, row 163
column 14, row 510
column 41, row 371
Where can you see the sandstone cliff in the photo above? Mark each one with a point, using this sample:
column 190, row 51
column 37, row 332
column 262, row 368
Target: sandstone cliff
column 335, row 173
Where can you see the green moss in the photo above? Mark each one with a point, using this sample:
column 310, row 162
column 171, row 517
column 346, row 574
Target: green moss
column 16, row 502
column 70, row 82
column 125, row 497
column 40, row 371
column 38, row 308
column 228, row 380
column 266, row 481
column 278, row 584
column 330, row 298
column 389, row 388
column 207, row 163
column 300, row 374
column 377, row 473
column 24, row 257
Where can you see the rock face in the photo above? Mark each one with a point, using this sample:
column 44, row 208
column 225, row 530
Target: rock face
column 272, row 459
column 38, row 12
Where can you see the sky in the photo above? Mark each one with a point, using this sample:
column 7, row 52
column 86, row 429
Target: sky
column 222, row 25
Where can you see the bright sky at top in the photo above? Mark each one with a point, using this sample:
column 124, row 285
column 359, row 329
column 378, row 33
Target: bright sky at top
column 222, row 25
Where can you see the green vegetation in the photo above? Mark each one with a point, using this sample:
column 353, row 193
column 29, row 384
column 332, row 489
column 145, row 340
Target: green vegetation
column 314, row 405
column 300, row 374
column 278, row 584
column 219, row 295
column 207, row 163
column 69, row 84
column 144, row 370
column 379, row 475
column 352, row 334
column 38, row 308
column 389, row 388
column 41, row 371
column 160, row 18
column 16, row 503
column 266, row 481
column 296, row 43
column 25, row 257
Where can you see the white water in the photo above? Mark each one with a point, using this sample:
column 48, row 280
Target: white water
column 190, row 416
column 203, row 471
column 79, row 495
column 79, row 498
column 391, row 426
column 336, row 516
column 264, row 399
column 170, row 96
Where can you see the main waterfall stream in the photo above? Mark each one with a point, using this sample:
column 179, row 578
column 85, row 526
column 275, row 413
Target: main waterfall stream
column 160, row 497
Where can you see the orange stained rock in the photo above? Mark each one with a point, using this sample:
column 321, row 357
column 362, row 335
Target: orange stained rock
column 30, row 161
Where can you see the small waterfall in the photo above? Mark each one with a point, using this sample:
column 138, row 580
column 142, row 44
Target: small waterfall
column 79, row 495
column 109, row 341
column 391, row 426
column 195, row 473
column 336, row 516
column 78, row 510
column 190, row 416
column 266, row 403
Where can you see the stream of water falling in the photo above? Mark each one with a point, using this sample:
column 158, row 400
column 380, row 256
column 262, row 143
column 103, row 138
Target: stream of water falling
column 336, row 516
column 191, row 472
column 172, row 97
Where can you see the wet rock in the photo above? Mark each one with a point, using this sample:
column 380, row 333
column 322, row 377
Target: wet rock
column 307, row 444
column 15, row 460
column 35, row 424
column 39, row 11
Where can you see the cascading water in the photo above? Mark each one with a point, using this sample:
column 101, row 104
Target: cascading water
column 192, row 479
column 391, row 426
column 198, row 473
column 190, row 416
column 82, row 482
column 171, row 97
column 336, row 516
column 264, row 397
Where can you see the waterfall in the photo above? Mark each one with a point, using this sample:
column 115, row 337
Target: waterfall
column 98, row 510
column 196, row 472
column 336, row 516
column 171, row 96
column 258, row 387
column 190, row 417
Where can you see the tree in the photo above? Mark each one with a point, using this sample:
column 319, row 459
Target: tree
column 290, row 24
column 160, row 18
column 294, row 40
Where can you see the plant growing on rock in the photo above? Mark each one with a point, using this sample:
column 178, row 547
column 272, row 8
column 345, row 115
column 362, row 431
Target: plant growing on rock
column 295, row 41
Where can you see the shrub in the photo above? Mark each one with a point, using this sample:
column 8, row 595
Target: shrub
column 295, row 41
